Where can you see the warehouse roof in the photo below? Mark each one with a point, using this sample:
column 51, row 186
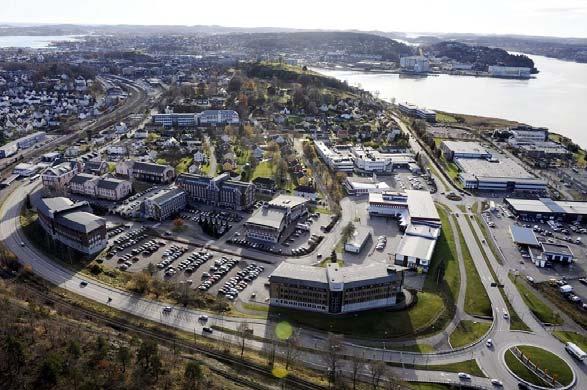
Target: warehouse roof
column 421, row 205
column 465, row 147
column 415, row 246
column 523, row 236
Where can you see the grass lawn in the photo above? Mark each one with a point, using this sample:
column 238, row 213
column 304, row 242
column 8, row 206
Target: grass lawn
column 445, row 118
column 476, row 299
column 467, row 332
column 422, row 318
column 520, row 370
column 539, row 308
column 548, row 361
column 263, row 169
column 572, row 337
column 558, row 301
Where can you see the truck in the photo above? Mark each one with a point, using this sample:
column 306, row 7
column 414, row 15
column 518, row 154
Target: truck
column 574, row 350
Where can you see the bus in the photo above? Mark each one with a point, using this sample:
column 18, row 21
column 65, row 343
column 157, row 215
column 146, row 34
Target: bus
column 574, row 350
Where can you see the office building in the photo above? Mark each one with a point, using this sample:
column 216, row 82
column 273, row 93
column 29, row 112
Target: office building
column 417, row 112
column 175, row 119
column 218, row 117
column 164, row 204
column 219, row 191
column 73, row 224
column 269, row 221
column 333, row 158
column 514, row 72
column 335, row 290
column 358, row 186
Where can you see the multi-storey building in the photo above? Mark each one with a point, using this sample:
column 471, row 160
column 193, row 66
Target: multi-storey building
column 57, row 177
column 73, row 224
column 335, row 290
column 150, row 172
column 175, row 119
column 218, row 117
column 97, row 187
column 218, row 191
column 164, row 204
column 269, row 221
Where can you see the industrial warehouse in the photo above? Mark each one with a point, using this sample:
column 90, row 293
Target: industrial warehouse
column 547, row 208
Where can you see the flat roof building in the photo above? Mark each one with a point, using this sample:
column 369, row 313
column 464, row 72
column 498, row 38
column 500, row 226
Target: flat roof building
column 415, row 252
column 269, row 221
column 463, row 149
column 546, row 208
column 335, row 290
column 523, row 236
column 363, row 186
column 548, row 253
column 357, row 242
column 503, row 174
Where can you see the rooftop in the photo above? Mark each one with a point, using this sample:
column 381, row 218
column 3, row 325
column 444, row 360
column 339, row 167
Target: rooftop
column 268, row 216
column 503, row 168
column 421, row 205
column 559, row 249
column 465, row 147
column 415, row 246
column 523, row 236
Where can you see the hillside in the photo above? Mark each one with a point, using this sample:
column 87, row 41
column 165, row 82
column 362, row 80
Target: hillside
column 322, row 42
column 480, row 56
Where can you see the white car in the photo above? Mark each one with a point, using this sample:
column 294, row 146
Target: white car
column 506, row 315
column 203, row 318
column 464, row 376
column 496, row 383
column 489, row 343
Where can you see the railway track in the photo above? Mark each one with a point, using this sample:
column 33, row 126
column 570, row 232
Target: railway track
column 170, row 340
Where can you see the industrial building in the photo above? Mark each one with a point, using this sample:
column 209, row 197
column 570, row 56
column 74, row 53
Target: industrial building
column 219, row 191
column 357, row 242
column 502, row 174
column 358, row 186
column 546, row 208
column 334, row 159
column 417, row 112
column 463, row 149
column 335, row 290
column 269, row 221
column 411, row 206
column 514, row 72
column 369, row 160
column 414, row 64
column 73, row 224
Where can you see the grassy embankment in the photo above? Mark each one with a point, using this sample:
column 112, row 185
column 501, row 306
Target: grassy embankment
column 541, row 310
column 476, row 299
column 572, row 337
column 467, row 332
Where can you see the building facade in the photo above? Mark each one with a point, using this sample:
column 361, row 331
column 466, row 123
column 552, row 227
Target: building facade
column 219, row 191
column 150, row 172
column 164, row 204
column 73, row 224
column 269, row 221
column 335, row 290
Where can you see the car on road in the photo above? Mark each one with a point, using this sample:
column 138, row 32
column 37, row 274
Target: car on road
column 464, row 376
column 506, row 315
column 167, row 309
column 203, row 318
column 83, row 283
column 497, row 383
column 22, row 244
column 489, row 343
column 207, row 329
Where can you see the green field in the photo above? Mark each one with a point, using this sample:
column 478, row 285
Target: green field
column 476, row 299
column 263, row 169
column 548, row 361
column 542, row 311
column 445, row 118
column 467, row 332
column 572, row 337
column 184, row 164
column 428, row 386
column 422, row 348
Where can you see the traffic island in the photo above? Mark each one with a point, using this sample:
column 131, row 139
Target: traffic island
column 538, row 367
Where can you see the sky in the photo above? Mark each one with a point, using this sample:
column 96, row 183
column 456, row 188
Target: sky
column 563, row 18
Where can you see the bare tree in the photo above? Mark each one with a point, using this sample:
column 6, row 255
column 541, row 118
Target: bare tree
column 292, row 345
column 376, row 370
column 333, row 354
column 356, row 363
column 243, row 331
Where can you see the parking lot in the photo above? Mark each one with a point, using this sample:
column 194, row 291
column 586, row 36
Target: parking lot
column 132, row 250
column 517, row 258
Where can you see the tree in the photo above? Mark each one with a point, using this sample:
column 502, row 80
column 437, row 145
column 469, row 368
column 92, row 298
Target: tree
column 148, row 358
column 123, row 356
column 178, row 222
column 192, row 374
column 281, row 172
column 376, row 370
column 50, row 370
column 235, row 84
column 332, row 355
column 356, row 364
column 348, row 231
column 243, row 332
column 292, row 345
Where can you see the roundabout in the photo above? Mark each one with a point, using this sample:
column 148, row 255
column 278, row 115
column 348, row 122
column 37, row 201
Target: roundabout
column 538, row 367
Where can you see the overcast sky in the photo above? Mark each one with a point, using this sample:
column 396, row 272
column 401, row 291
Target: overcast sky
column 530, row 17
